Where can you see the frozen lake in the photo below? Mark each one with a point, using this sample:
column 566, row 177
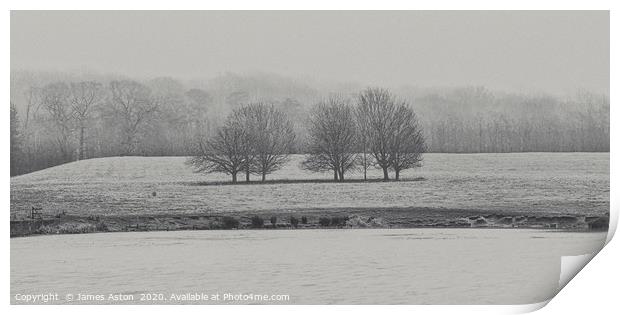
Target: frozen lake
column 414, row 266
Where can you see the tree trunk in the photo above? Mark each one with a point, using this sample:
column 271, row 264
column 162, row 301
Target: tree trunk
column 365, row 166
column 335, row 175
column 341, row 174
column 396, row 174
column 127, row 146
column 263, row 178
column 247, row 170
column 234, row 177
column 385, row 173
column 81, row 154
column 65, row 151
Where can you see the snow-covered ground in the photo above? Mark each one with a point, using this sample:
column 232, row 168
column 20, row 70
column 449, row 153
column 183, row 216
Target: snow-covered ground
column 572, row 183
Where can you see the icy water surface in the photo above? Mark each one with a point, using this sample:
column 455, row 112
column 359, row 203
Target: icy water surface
column 414, row 266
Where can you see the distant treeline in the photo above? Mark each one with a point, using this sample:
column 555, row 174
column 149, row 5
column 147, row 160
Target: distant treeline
column 514, row 123
column 58, row 117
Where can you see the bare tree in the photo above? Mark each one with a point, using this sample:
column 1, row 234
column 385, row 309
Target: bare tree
column 33, row 104
column 392, row 131
column 244, row 118
column 270, row 137
column 133, row 104
column 84, row 96
column 376, row 112
column 16, row 143
column 223, row 153
column 332, row 134
column 198, row 107
column 361, row 119
column 55, row 99
column 406, row 142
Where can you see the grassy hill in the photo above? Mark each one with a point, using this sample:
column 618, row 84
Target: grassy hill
column 521, row 183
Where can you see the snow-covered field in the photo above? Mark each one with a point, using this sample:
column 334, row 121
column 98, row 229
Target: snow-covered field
column 571, row 183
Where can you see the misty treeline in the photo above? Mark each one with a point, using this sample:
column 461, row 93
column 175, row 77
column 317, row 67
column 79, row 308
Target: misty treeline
column 379, row 131
column 60, row 117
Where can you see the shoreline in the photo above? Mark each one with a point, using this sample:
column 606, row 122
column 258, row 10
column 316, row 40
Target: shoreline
column 339, row 218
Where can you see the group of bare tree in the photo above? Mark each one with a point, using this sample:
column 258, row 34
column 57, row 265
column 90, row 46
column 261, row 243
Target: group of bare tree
column 379, row 125
column 380, row 131
column 68, row 109
column 476, row 120
column 132, row 104
column 255, row 139
column 68, row 121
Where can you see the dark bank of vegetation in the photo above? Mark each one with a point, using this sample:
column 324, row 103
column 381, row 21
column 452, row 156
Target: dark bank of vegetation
column 310, row 219
column 59, row 117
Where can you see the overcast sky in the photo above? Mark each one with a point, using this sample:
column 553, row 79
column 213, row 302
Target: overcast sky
column 554, row 52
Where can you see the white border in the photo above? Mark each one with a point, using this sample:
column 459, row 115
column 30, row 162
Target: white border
column 596, row 294
column 312, row 5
